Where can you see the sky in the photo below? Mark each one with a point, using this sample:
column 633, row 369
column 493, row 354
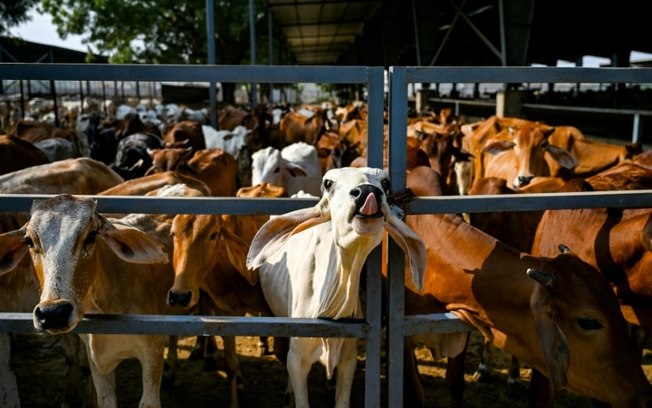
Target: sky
column 41, row 30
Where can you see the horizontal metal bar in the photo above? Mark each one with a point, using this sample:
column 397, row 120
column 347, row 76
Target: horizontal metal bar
column 436, row 323
column 184, row 73
column 530, row 202
column 528, row 74
column 171, row 205
column 419, row 205
column 185, row 325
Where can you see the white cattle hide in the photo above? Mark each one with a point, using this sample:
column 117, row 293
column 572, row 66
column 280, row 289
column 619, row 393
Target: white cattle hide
column 231, row 141
column 309, row 263
column 296, row 168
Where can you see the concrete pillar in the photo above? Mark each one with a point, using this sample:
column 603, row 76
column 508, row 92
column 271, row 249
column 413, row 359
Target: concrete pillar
column 422, row 99
column 508, row 103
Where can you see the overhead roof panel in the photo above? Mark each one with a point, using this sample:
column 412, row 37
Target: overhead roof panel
column 328, row 22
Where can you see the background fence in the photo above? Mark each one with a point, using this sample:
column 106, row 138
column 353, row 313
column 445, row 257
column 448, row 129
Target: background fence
column 369, row 329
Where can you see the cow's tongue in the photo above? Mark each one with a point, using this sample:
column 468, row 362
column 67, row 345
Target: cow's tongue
column 370, row 206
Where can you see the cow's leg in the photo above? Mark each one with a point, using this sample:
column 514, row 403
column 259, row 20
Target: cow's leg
column 263, row 346
column 233, row 374
column 455, row 377
column 8, row 387
column 152, row 362
column 80, row 392
column 540, row 394
column 104, row 386
column 281, row 346
column 299, row 362
column 413, row 394
column 345, row 373
column 170, row 368
column 513, row 375
column 486, row 365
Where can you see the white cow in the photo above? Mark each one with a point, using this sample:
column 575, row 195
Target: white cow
column 309, row 263
column 231, row 141
column 296, row 168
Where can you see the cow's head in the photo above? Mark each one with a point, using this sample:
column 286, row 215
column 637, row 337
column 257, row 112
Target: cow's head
column 354, row 201
column 579, row 324
column 204, row 245
column 62, row 237
column 526, row 147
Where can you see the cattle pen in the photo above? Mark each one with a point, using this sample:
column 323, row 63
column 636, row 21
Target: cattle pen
column 369, row 329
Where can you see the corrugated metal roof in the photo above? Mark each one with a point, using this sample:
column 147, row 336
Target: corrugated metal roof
column 319, row 31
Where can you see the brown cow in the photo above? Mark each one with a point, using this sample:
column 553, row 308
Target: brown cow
column 143, row 185
column 555, row 314
column 186, row 133
column 64, row 176
column 296, row 127
column 615, row 241
column 17, row 154
column 209, row 256
column 522, row 156
column 214, row 167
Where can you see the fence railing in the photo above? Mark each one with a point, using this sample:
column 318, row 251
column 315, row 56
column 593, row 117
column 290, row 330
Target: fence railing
column 368, row 329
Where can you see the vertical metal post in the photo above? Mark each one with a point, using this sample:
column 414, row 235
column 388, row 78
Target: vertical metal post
column 269, row 48
column 503, row 35
column 53, row 93
column 210, row 39
column 636, row 128
column 252, row 41
column 81, row 96
column 416, row 31
column 396, row 272
column 375, row 86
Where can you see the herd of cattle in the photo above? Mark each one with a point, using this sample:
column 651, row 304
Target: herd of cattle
column 562, row 291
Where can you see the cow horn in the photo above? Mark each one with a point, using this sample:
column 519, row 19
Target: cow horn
column 543, row 277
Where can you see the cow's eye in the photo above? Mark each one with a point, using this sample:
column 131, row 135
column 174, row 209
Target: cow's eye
column 276, row 170
column 29, row 242
column 386, row 185
column 545, row 143
column 327, row 184
column 587, row 323
column 213, row 236
column 90, row 238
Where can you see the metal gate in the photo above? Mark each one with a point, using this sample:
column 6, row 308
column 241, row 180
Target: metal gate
column 369, row 329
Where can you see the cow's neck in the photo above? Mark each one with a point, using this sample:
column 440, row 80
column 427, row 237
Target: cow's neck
column 340, row 293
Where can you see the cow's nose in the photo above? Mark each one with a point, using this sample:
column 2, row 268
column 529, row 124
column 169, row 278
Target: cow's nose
column 523, row 181
column 181, row 299
column 361, row 192
column 53, row 316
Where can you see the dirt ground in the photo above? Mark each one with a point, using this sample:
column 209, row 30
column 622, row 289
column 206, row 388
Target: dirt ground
column 40, row 370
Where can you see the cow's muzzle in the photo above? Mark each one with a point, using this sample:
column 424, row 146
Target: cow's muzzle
column 53, row 316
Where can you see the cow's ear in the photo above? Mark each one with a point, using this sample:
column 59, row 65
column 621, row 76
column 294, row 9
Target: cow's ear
column 236, row 250
column 553, row 341
column 561, row 156
column 13, row 247
column 498, row 147
column 131, row 244
column 647, row 234
column 275, row 232
column 294, row 170
column 412, row 246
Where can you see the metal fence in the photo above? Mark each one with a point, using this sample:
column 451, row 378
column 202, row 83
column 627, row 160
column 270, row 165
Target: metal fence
column 369, row 329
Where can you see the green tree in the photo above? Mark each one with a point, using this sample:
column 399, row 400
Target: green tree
column 161, row 31
column 14, row 12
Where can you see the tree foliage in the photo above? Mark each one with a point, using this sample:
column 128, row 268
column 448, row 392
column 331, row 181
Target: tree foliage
column 14, row 12
column 157, row 31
